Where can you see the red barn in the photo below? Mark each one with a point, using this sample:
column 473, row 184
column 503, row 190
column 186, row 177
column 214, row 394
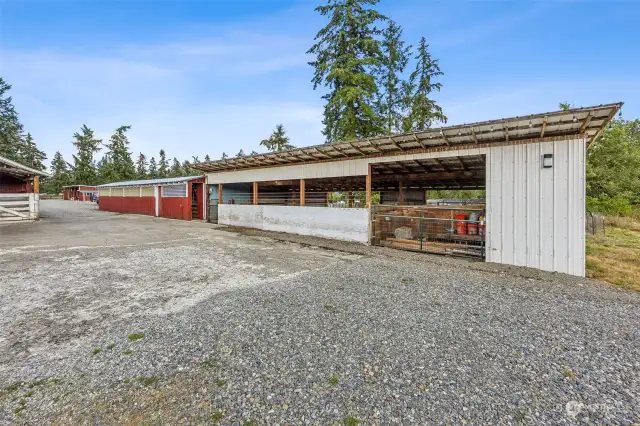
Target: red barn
column 176, row 198
column 19, row 191
column 78, row 192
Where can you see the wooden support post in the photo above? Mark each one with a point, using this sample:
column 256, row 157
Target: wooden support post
column 255, row 193
column 349, row 197
column 401, row 192
column 219, row 193
column 36, row 184
column 368, row 183
column 302, row 194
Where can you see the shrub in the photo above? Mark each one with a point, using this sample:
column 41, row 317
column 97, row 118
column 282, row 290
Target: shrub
column 610, row 206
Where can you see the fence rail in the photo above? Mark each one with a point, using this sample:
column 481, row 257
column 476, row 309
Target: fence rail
column 455, row 231
column 594, row 223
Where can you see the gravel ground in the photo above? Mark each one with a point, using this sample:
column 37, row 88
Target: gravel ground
column 167, row 322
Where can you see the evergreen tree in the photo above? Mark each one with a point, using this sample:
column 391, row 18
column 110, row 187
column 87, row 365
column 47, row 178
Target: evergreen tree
column 32, row 156
column 195, row 159
column 224, row 155
column 278, row 141
column 253, row 153
column 240, row 153
column 207, row 158
column 153, row 168
column 104, row 170
column 423, row 110
column 163, row 165
column 346, row 55
column 391, row 98
column 11, row 142
column 60, row 175
column 176, row 169
column 84, row 169
column 187, row 170
column 121, row 165
column 141, row 166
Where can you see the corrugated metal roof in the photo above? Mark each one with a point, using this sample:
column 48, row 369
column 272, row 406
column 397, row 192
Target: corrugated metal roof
column 147, row 182
column 588, row 121
column 16, row 169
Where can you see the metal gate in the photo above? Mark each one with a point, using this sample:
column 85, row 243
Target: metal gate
column 456, row 231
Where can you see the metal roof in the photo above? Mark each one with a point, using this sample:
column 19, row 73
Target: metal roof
column 589, row 121
column 147, row 182
column 16, row 169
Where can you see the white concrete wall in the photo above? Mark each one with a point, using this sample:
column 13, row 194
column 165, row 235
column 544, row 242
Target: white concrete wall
column 334, row 223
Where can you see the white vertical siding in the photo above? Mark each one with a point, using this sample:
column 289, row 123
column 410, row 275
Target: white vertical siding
column 535, row 216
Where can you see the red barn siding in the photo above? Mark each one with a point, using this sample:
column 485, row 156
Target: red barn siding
column 135, row 205
column 9, row 184
column 175, row 207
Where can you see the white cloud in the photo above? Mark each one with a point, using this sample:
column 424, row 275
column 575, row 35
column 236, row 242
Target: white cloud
column 204, row 95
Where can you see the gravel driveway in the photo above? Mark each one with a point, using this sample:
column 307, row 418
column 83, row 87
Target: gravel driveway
column 169, row 322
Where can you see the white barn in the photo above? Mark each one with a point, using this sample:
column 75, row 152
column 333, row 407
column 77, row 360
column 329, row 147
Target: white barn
column 375, row 191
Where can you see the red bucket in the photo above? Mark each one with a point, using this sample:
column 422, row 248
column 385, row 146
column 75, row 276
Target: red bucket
column 461, row 227
column 473, row 228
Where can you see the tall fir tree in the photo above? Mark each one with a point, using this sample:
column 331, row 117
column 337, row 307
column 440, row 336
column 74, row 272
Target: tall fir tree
column 60, row 175
column 176, row 168
column 207, row 158
column 104, row 170
column 347, row 52
column 153, row 168
column 163, row 165
column 141, row 166
column 11, row 141
column 424, row 111
column 278, row 140
column 241, row 153
column 390, row 103
column 120, row 166
column 84, row 169
column 223, row 156
column 187, row 170
column 32, row 156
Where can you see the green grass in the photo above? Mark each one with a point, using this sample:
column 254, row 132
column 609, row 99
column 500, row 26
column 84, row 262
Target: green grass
column 96, row 351
column 220, row 383
column 111, row 346
column 351, row 421
column 147, row 381
column 135, row 336
column 333, row 380
column 566, row 372
column 330, row 308
column 613, row 257
column 217, row 416
column 408, row 281
column 208, row 363
column 127, row 352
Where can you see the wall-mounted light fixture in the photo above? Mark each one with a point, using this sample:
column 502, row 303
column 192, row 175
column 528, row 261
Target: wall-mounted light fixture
column 547, row 161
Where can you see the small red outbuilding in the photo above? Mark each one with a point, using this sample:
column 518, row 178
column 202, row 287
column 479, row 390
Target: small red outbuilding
column 78, row 192
column 176, row 198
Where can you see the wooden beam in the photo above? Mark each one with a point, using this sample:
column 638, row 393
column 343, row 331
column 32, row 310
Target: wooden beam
column 394, row 143
column 544, row 126
column 586, row 123
column 401, row 191
column 255, row 193
column 220, row 193
column 302, row 192
column 444, row 137
column 357, row 149
column 473, row 134
column 338, row 150
column 368, row 187
column 417, row 139
column 36, row 184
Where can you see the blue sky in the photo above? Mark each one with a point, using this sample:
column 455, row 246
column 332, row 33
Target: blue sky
column 198, row 77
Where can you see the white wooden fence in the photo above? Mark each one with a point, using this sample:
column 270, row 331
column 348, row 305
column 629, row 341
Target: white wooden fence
column 14, row 207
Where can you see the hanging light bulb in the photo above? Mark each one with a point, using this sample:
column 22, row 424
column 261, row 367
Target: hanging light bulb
column 530, row 124
column 491, row 130
column 575, row 118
